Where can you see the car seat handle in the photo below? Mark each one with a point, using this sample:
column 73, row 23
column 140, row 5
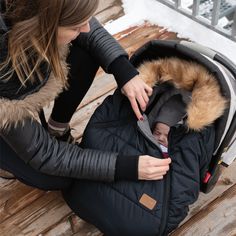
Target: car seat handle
column 199, row 48
column 210, row 53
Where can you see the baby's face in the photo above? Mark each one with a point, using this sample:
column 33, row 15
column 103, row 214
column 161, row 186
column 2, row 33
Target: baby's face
column 160, row 133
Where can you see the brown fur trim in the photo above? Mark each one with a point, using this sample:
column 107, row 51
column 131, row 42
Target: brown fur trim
column 15, row 111
column 207, row 102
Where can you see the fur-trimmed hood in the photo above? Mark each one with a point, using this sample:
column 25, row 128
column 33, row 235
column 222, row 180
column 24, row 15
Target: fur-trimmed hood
column 16, row 110
column 206, row 104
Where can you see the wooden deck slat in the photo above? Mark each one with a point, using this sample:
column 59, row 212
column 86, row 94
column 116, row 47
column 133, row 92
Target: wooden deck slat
column 109, row 10
column 156, row 35
column 73, row 225
column 14, row 197
column 61, row 229
column 137, row 34
column 115, row 12
column 82, row 228
column 41, row 214
column 217, row 218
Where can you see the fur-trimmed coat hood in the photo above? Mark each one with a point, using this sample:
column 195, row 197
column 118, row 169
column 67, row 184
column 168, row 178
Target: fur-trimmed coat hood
column 13, row 111
column 104, row 49
column 206, row 103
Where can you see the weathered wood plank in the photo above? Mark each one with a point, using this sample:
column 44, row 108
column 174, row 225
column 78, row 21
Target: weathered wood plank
column 15, row 196
column 131, row 49
column 6, row 175
column 109, row 10
column 82, row 228
column 142, row 34
column 217, row 218
column 41, row 214
column 61, row 229
column 115, row 11
column 72, row 225
column 136, row 34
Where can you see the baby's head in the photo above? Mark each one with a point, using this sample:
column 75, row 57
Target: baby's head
column 160, row 133
column 170, row 113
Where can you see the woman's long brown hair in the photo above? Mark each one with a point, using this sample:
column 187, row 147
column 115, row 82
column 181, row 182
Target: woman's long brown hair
column 33, row 36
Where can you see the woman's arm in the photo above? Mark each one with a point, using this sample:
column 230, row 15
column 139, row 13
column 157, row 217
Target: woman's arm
column 35, row 146
column 113, row 59
column 100, row 44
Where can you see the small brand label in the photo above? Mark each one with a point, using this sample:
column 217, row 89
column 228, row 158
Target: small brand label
column 148, row 201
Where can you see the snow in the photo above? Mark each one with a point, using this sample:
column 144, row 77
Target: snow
column 138, row 11
column 232, row 2
column 186, row 3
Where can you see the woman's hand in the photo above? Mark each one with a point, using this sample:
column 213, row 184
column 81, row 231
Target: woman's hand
column 138, row 92
column 151, row 168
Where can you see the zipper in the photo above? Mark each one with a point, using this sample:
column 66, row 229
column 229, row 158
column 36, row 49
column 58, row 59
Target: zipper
column 166, row 194
column 163, row 230
column 165, row 208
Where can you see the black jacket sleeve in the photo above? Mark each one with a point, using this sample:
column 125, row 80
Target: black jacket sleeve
column 122, row 70
column 100, row 44
column 107, row 52
column 34, row 145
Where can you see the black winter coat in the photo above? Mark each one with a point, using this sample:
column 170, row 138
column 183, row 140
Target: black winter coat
column 149, row 208
column 117, row 209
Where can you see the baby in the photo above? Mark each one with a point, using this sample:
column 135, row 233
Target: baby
column 160, row 133
column 170, row 113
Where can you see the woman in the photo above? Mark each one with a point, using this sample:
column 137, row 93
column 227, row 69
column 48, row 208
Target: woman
column 37, row 39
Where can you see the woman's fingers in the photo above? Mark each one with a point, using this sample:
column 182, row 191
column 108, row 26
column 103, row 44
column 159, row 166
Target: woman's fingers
column 151, row 168
column 149, row 90
column 138, row 93
column 135, row 107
